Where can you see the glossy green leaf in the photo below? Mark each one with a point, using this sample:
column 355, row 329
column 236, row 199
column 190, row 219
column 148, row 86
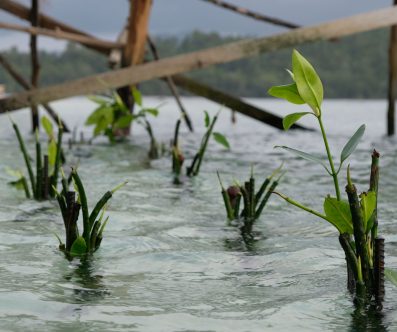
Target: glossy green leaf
column 338, row 213
column 101, row 126
column 221, row 140
column 290, row 119
column 152, row 111
column 307, row 81
column 305, row 155
column 124, row 121
column 137, row 96
column 47, row 125
column 352, row 144
column 368, row 205
column 79, row 247
column 206, row 119
column 52, row 152
column 288, row 92
column 99, row 113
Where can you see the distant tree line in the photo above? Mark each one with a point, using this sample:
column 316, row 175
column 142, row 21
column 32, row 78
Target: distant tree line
column 352, row 67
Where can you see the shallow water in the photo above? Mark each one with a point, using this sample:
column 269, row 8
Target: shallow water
column 168, row 262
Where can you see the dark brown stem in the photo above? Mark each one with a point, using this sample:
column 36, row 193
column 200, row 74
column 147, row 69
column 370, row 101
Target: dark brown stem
column 373, row 186
column 379, row 271
column 351, row 261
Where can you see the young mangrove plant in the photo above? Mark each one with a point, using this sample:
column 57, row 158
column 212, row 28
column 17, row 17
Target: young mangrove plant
column 254, row 201
column 355, row 218
column 79, row 244
column 45, row 176
column 194, row 168
column 113, row 116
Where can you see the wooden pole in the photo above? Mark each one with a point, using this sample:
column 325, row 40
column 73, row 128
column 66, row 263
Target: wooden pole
column 252, row 14
column 201, row 59
column 45, row 21
column 234, row 103
column 22, row 82
column 35, row 65
column 392, row 87
column 171, row 86
column 59, row 34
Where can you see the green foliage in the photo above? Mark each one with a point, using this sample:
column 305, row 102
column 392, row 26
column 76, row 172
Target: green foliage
column 79, row 247
column 351, row 145
column 221, row 139
column 288, row 92
column 290, row 119
column 338, row 213
column 368, row 205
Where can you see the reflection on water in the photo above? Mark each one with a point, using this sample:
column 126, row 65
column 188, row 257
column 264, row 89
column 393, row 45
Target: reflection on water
column 168, row 262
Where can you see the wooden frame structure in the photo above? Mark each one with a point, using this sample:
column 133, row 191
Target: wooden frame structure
column 129, row 68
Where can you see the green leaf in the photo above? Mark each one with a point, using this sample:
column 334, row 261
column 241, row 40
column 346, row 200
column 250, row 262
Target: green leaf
column 119, row 103
column 99, row 100
column 290, row 119
column 79, row 247
column 221, row 140
column 98, row 114
column 137, row 96
column 101, row 126
column 124, row 121
column 52, row 152
column 338, row 213
column 391, row 275
column 13, row 173
column 152, row 111
column 288, row 92
column 18, row 184
column 206, row 119
column 368, row 205
column 307, row 81
column 47, row 125
column 305, row 155
column 352, row 144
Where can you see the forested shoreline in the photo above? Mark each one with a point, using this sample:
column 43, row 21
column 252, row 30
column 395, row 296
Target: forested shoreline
column 352, row 67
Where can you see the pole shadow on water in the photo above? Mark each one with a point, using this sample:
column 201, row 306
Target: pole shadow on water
column 369, row 318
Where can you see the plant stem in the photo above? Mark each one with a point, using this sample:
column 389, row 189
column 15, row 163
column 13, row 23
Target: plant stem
column 331, row 163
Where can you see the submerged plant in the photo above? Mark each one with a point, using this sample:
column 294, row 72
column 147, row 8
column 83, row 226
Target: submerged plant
column 113, row 116
column 355, row 218
column 254, row 201
column 78, row 244
column 47, row 167
column 194, row 168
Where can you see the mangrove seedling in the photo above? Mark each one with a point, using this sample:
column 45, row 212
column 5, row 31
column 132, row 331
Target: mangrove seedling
column 112, row 116
column 355, row 218
column 46, row 173
column 194, row 168
column 79, row 244
column 254, row 201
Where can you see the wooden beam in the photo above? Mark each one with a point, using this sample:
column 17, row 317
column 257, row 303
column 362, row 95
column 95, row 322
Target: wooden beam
column 392, row 85
column 252, row 14
column 22, row 82
column 200, row 59
column 234, row 103
column 47, row 22
column 59, row 34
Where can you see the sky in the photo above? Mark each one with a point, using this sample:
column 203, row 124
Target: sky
column 104, row 18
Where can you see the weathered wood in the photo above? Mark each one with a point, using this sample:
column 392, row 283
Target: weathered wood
column 200, row 59
column 171, row 86
column 234, row 103
column 252, row 14
column 59, row 34
column 47, row 22
column 22, row 82
column 35, row 65
column 392, row 86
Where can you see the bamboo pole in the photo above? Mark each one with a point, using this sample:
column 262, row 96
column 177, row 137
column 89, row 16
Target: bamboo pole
column 252, row 14
column 171, row 86
column 204, row 58
column 35, row 65
column 57, row 33
column 22, row 82
column 47, row 22
column 392, row 87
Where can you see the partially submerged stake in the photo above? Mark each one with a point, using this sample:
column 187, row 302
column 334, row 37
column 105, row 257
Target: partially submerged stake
column 89, row 241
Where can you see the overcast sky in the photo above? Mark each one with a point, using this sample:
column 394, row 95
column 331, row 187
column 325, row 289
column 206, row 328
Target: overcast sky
column 104, row 18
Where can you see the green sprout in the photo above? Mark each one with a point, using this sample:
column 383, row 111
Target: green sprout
column 356, row 218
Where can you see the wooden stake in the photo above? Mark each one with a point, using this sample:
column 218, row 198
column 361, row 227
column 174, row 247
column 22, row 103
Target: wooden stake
column 35, row 65
column 392, row 88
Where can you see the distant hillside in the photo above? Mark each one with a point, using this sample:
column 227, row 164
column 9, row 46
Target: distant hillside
column 352, row 67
